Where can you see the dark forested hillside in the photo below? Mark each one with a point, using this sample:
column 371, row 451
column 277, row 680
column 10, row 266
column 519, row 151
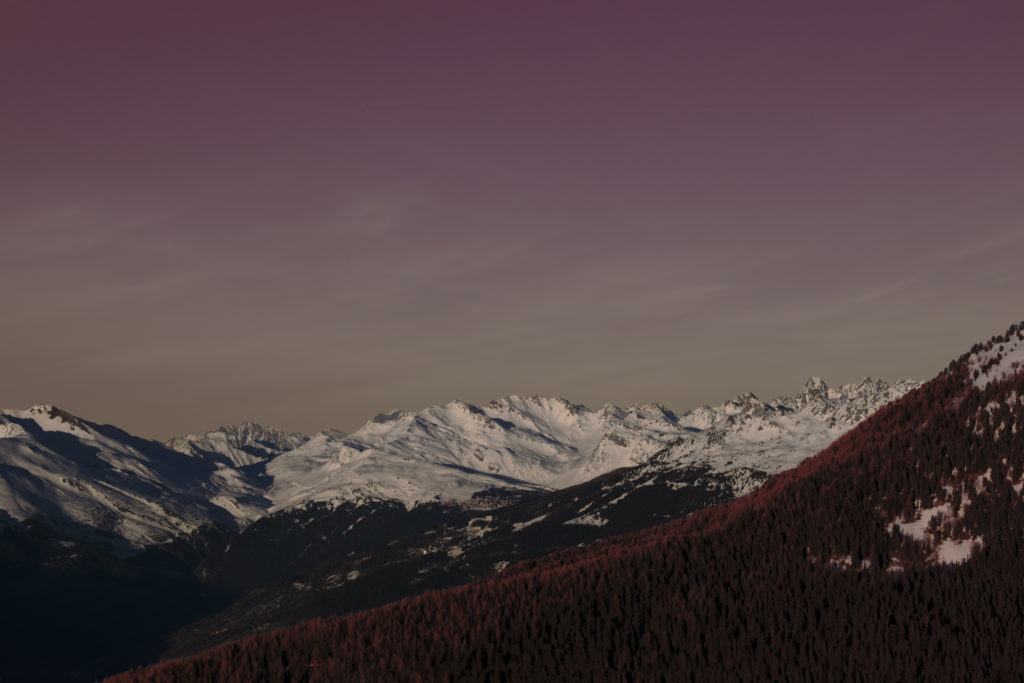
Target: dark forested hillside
column 894, row 554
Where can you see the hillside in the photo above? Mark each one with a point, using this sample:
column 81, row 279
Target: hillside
column 891, row 554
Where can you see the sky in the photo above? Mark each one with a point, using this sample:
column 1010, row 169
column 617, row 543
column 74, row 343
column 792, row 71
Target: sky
column 307, row 213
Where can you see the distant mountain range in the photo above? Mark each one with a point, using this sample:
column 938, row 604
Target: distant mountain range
column 99, row 483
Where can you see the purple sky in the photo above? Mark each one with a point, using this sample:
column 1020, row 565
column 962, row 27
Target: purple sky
column 305, row 214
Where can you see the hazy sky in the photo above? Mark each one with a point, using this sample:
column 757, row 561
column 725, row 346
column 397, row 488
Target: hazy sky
column 307, row 213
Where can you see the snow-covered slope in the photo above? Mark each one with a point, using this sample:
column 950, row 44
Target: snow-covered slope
column 1001, row 357
column 773, row 436
column 241, row 445
column 451, row 451
column 98, row 482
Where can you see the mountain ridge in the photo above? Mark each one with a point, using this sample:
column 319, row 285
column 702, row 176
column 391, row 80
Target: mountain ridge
column 549, row 443
column 446, row 452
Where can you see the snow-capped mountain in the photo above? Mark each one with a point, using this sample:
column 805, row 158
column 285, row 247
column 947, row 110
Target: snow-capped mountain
column 709, row 455
column 241, row 445
column 725, row 452
column 454, row 450
column 746, row 433
column 99, row 483
column 451, row 451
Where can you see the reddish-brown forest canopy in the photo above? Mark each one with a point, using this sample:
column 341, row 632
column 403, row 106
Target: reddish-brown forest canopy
column 805, row 579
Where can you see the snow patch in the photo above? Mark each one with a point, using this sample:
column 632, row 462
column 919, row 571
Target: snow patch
column 10, row 430
column 979, row 483
column 918, row 527
column 931, row 526
column 615, row 500
column 478, row 527
column 519, row 526
column 952, row 551
column 998, row 361
column 587, row 520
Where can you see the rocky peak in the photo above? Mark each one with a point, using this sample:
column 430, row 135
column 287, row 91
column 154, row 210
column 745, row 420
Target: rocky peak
column 814, row 390
column 242, row 444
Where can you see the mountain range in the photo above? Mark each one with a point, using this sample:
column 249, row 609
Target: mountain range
column 99, row 482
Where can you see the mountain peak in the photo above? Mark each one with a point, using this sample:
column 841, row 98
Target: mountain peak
column 245, row 425
column 384, row 418
column 52, row 418
column 242, row 444
column 815, row 388
column 657, row 408
column 746, row 403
